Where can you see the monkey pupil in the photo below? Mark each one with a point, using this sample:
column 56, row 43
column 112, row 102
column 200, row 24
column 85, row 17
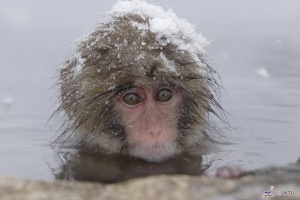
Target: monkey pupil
column 131, row 99
column 164, row 95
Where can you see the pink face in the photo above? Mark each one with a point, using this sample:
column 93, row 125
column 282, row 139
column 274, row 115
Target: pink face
column 149, row 113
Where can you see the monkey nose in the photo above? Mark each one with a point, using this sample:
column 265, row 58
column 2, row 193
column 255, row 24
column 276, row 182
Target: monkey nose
column 155, row 130
column 154, row 124
column 154, row 133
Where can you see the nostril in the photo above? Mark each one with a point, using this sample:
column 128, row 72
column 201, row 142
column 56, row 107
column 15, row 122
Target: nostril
column 154, row 132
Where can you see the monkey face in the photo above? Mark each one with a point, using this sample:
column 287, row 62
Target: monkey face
column 148, row 111
column 125, row 92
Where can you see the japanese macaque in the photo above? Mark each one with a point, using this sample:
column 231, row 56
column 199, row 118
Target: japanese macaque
column 136, row 90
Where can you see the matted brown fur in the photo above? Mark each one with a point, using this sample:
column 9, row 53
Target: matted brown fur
column 110, row 58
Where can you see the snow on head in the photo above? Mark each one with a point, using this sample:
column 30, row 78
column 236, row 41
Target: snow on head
column 166, row 25
column 80, row 61
column 170, row 65
column 144, row 22
column 136, row 7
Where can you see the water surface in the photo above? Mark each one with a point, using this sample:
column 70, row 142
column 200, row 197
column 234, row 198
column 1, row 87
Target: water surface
column 248, row 37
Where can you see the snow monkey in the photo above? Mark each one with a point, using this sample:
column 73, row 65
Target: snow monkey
column 140, row 85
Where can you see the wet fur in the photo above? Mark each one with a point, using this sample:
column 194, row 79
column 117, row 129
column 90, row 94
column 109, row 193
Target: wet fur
column 109, row 64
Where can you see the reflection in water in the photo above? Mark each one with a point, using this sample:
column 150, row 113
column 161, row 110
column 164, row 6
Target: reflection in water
column 111, row 169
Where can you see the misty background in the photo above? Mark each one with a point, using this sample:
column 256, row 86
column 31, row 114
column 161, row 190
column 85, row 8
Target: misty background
column 255, row 49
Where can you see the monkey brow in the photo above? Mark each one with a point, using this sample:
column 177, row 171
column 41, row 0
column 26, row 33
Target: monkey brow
column 123, row 87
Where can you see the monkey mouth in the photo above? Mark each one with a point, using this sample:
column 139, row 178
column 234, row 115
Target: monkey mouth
column 154, row 152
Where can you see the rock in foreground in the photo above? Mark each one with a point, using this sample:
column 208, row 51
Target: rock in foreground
column 286, row 182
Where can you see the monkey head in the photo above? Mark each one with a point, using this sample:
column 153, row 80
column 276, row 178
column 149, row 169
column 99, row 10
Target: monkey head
column 133, row 89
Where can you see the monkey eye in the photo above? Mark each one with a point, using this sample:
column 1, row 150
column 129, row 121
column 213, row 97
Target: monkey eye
column 131, row 99
column 164, row 95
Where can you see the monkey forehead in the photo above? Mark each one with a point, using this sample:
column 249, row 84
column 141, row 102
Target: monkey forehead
column 149, row 82
column 131, row 34
column 127, row 41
